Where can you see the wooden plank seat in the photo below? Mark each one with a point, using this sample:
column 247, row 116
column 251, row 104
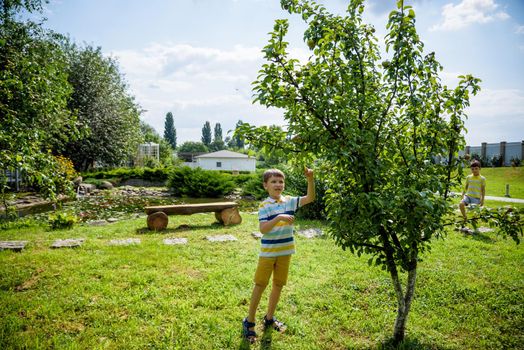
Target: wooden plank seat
column 225, row 212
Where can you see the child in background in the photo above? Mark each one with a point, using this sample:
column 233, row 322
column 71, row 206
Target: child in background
column 474, row 189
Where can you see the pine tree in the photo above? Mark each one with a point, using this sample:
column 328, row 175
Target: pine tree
column 169, row 130
column 206, row 134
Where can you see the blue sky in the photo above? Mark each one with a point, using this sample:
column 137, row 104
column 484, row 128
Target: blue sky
column 197, row 58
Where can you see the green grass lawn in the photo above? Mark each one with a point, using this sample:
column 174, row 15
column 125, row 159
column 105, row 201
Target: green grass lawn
column 470, row 292
column 497, row 178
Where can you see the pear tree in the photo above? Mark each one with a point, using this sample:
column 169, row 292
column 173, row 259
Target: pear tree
column 385, row 133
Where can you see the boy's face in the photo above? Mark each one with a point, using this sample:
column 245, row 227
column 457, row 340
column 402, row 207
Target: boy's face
column 475, row 170
column 275, row 186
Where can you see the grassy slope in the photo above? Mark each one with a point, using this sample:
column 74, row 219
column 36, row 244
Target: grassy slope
column 470, row 292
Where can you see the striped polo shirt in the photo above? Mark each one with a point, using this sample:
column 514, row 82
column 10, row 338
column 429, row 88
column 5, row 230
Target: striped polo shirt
column 279, row 241
column 474, row 184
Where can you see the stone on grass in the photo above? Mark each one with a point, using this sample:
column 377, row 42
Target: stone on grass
column 13, row 245
column 221, row 238
column 175, row 241
column 311, row 233
column 484, row 229
column 257, row 235
column 97, row 223
column 111, row 220
column 68, row 243
column 128, row 241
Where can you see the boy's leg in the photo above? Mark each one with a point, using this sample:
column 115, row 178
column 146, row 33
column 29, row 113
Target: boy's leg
column 279, row 281
column 256, row 295
column 462, row 207
column 262, row 275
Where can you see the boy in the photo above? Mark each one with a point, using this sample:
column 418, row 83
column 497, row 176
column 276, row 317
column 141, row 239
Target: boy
column 276, row 217
column 474, row 190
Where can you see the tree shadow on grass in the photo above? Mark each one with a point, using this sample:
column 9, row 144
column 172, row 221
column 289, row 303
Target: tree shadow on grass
column 409, row 344
column 478, row 236
column 265, row 341
column 181, row 228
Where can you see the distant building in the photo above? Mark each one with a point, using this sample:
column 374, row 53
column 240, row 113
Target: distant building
column 146, row 151
column 225, row 160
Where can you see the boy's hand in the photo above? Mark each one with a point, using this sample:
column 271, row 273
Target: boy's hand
column 287, row 218
column 308, row 173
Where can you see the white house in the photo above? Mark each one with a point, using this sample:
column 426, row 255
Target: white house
column 226, row 160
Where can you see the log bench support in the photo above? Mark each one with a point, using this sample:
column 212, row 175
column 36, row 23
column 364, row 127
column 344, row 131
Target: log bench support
column 225, row 212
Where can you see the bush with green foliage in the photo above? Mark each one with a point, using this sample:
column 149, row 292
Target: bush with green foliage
column 62, row 220
column 199, row 183
column 123, row 174
column 253, row 185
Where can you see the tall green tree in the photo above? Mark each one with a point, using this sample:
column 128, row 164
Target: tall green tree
column 376, row 127
column 33, row 100
column 218, row 143
column 105, row 108
column 206, row 134
column 218, row 133
column 169, row 130
column 236, row 140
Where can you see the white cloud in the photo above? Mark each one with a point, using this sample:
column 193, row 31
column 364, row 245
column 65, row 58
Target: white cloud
column 468, row 12
column 519, row 30
column 496, row 115
column 196, row 84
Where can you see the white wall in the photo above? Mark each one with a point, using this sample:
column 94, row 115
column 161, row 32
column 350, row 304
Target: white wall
column 240, row 164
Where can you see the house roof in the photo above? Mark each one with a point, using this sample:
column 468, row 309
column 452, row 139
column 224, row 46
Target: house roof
column 224, row 154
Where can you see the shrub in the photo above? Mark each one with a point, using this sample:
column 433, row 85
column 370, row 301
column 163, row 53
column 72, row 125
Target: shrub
column 198, row 183
column 496, row 160
column 123, row 174
column 515, row 161
column 252, row 186
column 62, row 220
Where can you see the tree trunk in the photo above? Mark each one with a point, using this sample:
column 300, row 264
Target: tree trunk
column 404, row 303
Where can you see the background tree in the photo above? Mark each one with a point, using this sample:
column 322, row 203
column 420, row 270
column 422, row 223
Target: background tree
column 33, row 100
column 375, row 128
column 169, row 130
column 206, row 134
column 105, row 108
column 236, row 141
column 192, row 147
column 218, row 143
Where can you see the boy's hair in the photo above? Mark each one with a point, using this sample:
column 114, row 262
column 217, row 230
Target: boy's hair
column 475, row 163
column 273, row 172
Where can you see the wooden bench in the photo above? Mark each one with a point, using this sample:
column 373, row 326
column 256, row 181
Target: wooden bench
column 225, row 212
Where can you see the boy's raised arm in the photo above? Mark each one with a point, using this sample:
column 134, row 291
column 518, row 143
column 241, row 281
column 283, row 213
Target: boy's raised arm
column 310, row 195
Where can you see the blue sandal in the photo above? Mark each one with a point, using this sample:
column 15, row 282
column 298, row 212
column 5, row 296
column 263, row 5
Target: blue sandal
column 251, row 336
column 275, row 324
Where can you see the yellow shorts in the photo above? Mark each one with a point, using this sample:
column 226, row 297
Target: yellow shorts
column 279, row 266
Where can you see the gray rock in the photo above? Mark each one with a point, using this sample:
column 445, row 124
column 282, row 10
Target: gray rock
column 13, row 245
column 128, row 241
column 106, row 185
column 112, row 220
column 221, row 238
column 310, row 233
column 175, row 241
column 97, row 223
column 257, row 235
column 67, row 243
